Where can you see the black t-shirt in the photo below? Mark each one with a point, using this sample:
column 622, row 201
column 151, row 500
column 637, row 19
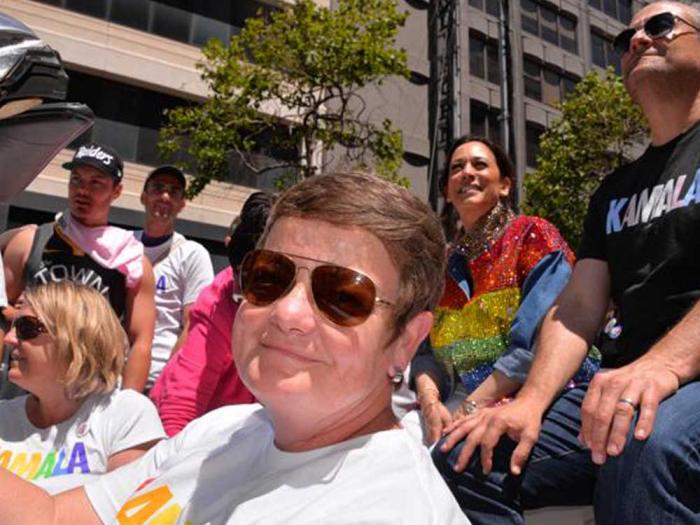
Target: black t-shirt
column 644, row 221
column 54, row 257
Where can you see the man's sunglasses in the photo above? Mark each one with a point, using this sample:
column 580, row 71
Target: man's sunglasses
column 344, row 296
column 656, row 26
column 28, row 327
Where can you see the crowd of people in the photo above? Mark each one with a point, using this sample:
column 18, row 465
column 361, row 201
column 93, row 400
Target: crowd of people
column 145, row 389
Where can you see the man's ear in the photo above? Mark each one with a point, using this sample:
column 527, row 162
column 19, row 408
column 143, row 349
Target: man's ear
column 143, row 198
column 413, row 334
column 117, row 191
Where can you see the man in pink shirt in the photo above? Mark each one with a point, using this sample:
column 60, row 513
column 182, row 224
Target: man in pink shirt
column 202, row 376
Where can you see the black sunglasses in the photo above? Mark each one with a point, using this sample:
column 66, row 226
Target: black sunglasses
column 28, row 327
column 344, row 296
column 656, row 26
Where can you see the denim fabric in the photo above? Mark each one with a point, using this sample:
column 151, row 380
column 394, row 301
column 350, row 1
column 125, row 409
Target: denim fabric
column 654, row 482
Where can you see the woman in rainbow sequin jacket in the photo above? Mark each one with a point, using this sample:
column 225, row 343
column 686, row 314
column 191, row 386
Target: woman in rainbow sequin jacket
column 504, row 272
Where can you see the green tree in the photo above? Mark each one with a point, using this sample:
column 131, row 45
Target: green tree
column 599, row 128
column 301, row 69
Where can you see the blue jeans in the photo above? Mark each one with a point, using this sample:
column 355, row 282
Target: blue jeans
column 654, row 482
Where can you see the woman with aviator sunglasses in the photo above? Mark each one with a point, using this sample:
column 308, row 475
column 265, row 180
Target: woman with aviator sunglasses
column 67, row 352
column 336, row 300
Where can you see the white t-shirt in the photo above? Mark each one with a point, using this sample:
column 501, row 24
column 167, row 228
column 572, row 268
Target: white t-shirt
column 179, row 278
column 64, row 455
column 225, row 468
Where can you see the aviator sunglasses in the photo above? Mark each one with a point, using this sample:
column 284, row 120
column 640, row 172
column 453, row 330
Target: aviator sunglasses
column 656, row 26
column 28, row 327
column 344, row 296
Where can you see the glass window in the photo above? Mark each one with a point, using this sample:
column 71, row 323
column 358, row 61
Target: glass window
column 171, row 22
column 598, row 50
column 477, row 119
column 204, row 28
column 533, row 132
column 568, row 85
column 96, row 8
column 594, row 3
column 625, row 11
column 492, row 7
column 479, row 4
column 493, row 68
column 567, row 34
column 551, row 92
column 548, row 25
column 529, row 17
column 610, row 8
column 533, row 85
column 131, row 13
column 477, row 65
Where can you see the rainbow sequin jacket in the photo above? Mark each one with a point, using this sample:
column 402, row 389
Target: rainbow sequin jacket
column 492, row 307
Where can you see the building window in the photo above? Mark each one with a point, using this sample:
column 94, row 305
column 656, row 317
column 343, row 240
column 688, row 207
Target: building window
column 546, row 83
column 490, row 7
column 183, row 20
column 484, row 121
column 603, row 52
column 618, row 9
column 533, row 132
column 128, row 118
column 483, row 58
column 549, row 24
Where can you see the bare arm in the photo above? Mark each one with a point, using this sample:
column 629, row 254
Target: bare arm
column 141, row 319
column 183, row 333
column 22, row 503
column 123, row 457
column 15, row 255
column 562, row 344
column 435, row 414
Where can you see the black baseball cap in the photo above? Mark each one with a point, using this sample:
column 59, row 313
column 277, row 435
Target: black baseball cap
column 100, row 157
column 168, row 169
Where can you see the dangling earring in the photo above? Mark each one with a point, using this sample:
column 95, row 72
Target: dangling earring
column 397, row 378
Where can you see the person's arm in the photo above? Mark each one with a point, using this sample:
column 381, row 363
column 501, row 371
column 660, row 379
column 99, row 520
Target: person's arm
column 140, row 319
column 123, row 457
column 541, row 287
column 15, row 255
column 562, row 344
column 183, row 333
column 431, row 384
column 673, row 361
column 23, row 503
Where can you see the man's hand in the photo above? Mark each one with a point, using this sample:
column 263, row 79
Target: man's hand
column 611, row 401
column 519, row 420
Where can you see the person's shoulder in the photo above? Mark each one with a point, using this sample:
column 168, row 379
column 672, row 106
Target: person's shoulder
column 398, row 455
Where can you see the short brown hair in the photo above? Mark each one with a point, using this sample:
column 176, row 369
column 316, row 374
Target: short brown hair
column 407, row 227
column 90, row 342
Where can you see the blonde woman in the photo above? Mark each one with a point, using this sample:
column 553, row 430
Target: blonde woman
column 67, row 351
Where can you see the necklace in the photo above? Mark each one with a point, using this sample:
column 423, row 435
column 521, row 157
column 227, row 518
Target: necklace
column 477, row 240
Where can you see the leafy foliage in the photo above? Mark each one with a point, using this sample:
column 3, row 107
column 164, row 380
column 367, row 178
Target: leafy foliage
column 302, row 68
column 599, row 128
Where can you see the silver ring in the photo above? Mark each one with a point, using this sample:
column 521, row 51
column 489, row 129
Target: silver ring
column 627, row 402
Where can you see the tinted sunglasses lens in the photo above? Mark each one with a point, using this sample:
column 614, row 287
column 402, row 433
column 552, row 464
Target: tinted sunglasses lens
column 659, row 25
column 623, row 40
column 345, row 296
column 27, row 327
column 266, row 276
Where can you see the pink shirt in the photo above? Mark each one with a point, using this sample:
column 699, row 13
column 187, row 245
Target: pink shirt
column 202, row 375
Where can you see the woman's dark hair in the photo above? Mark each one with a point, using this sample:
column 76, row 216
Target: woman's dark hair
column 250, row 227
column 506, row 169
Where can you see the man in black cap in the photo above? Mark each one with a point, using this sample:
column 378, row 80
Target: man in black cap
column 82, row 247
column 181, row 267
